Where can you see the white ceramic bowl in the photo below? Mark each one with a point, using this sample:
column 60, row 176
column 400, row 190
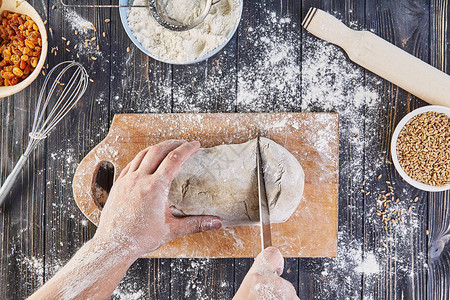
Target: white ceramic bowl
column 124, row 19
column 27, row 9
column 398, row 129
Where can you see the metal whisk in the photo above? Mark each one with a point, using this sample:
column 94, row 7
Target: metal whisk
column 72, row 91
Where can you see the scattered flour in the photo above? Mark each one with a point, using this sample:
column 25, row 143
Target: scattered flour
column 36, row 266
column 85, row 41
column 195, row 273
column 238, row 243
column 185, row 46
column 303, row 74
column 79, row 23
column 369, row 266
column 272, row 73
column 127, row 290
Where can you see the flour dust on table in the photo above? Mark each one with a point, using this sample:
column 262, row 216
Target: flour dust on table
column 78, row 24
column 85, row 42
column 194, row 270
column 284, row 66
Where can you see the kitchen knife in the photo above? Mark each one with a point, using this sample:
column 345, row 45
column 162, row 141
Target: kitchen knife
column 264, row 213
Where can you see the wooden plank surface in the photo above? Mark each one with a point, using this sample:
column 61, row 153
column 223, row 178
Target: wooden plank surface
column 400, row 248
column 313, row 272
column 23, row 234
column 42, row 227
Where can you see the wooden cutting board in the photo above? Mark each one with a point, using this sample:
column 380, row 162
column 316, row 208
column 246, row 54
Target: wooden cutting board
column 313, row 138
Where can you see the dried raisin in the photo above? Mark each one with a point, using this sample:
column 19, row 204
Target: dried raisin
column 20, row 47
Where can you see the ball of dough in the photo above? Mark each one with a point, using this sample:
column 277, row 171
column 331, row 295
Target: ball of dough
column 222, row 181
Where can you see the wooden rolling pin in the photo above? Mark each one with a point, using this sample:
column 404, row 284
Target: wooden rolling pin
column 382, row 58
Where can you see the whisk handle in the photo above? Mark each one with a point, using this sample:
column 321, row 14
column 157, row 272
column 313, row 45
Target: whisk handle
column 9, row 182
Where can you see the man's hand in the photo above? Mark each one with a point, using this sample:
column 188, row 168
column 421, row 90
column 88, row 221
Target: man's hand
column 137, row 211
column 263, row 281
column 135, row 220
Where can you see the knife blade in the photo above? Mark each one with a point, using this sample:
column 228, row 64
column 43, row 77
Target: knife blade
column 264, row 213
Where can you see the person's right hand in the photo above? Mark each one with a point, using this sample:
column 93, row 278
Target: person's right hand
column 263, row 281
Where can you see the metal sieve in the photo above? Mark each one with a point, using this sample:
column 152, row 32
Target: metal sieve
column 158, row 13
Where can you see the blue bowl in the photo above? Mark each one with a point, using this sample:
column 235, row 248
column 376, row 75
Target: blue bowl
column 124, row 19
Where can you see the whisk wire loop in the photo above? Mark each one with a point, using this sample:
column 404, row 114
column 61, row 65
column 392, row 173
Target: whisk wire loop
column 66, row 100
column 43, row 124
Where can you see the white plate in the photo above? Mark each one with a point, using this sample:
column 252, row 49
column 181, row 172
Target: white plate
column 124, row 19
column 398, row 129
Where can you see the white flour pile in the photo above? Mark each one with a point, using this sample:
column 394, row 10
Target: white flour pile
column 182, row 11
column 179, row 47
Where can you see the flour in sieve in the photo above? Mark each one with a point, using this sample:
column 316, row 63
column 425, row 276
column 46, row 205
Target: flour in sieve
column 188, row 45
column 182, row 11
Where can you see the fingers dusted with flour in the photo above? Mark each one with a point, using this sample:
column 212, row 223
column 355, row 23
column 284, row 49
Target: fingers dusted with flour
column 136, row 162
column 149, row 159
column 263, row 281
column 171, row 165
column 157, row 153
column 270, row 260
column 190, row 225
column 124, row 171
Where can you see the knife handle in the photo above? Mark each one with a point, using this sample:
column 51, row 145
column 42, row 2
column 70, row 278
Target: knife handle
column 382, row 58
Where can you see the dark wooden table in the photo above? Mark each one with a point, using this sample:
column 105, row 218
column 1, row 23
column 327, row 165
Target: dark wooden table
column 42, row 227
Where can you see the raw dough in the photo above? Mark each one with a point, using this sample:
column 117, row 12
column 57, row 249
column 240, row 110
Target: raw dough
column 222, row 181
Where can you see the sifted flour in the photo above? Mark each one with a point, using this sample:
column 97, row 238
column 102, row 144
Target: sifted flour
column 182, row 11
column 180, row 47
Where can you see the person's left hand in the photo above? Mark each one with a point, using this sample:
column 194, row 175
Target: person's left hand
column 136, row 219
column 137, row 212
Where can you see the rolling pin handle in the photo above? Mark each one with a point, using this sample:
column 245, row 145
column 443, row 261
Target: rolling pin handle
column 382, row 58
column 331, row 29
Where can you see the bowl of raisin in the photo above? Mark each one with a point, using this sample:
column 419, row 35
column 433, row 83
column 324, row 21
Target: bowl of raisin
column 23, row 46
